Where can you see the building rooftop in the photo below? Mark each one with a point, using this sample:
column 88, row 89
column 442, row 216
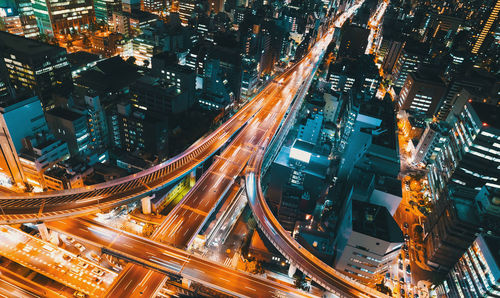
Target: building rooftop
column 385, row 135
column 375, row 221
column 493, row 243
column 81, row 58
column 65, row 114
column 489, row 114
column 26, row 46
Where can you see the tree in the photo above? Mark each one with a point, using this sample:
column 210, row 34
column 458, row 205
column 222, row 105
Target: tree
column 130, row 60
column 300, row 281
column 147, row 230
column 251, row 223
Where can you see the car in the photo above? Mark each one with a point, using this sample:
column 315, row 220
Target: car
column 74, row 269
column 80, row 247
column 405, row 247
column 66, row 257
column 83, row 264
column 408, row 269
column 406, row 225
column 407, row 255
column 95, row 257
column 402, row 292
column 70, row 239
column 407, row 237
column 400, row 256
column 400, row 266
column 98, row 272
column 402, row 280
column 415, row 295
column 79, row 294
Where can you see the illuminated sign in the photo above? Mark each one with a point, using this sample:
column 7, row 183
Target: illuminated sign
column 300, row 155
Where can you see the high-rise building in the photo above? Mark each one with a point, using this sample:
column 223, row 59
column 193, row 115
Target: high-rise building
column 28, row 19
column 361, row 74
column 104, row 9
column 395, row 47
column 54, row 18
column 136, row 130
column 97, row 123
column 186, row 9
column 353, row 41
column 369, row 241
column 70, row 126
column 411, row 57
column 422, row 92
column 25, row 131
column 451, row 228
column 487, row 25
column 30, row 64
column 469, row 158
column 152, row 5
column 477, row 273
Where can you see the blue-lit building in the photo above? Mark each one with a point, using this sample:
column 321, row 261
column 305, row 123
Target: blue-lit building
column 71, row 126
column 470, row 156
column 477, row 273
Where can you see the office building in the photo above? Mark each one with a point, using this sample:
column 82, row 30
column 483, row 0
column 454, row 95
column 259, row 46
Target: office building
column 361, row 74
column 97, row 123
column 154, row 94
column 30, row 64
column 10, row 22
column 104, row 9
column 70, row 126
column 40, row 153
column 468, row 159
column 353, row 41
column 369, row 240
column 138, row 131
column 409, row 60
column 477, row 273
column 28, row 19
column 154, row 6
column 183, row 78
column 186, row 10
column 451, row 228
column 422, row 92
column 54, row 18
column 25, row 131
column 490, row 21
column 395, row 47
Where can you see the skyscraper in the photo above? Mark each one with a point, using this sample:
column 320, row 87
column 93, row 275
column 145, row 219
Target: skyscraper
column 477, row 273
column 30, row 64
column 490, row 21
column 422, row 92
column 54, row 18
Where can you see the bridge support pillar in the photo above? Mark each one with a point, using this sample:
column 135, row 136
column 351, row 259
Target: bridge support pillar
column 291, row 270
column 44, row 232
column 192, row 178
column 186, row 283
column 146, row 205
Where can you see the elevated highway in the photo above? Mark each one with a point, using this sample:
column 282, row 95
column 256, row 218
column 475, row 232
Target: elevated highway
column 161, row 259
column 30, row 207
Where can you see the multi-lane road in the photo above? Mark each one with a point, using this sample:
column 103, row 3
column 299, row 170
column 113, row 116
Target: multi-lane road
column 53, row 262
column 164, row 258
column 19, row 208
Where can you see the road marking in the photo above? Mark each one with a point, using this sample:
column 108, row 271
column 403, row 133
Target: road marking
column 195, row 210
column 251, row 288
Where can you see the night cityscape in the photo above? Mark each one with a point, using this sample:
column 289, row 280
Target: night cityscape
column 249, row 148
